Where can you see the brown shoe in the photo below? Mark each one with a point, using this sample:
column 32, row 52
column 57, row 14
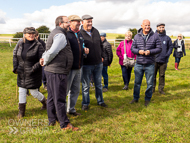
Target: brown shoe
column 70, row 126
column 44, row 103
column 133, row 101
column 146, row 103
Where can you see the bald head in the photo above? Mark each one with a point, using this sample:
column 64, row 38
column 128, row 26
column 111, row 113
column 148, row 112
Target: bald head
column 146, row 26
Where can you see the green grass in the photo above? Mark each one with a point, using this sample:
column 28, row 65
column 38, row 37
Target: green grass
column 6, row 35
column 112, row 35
column 166, row 119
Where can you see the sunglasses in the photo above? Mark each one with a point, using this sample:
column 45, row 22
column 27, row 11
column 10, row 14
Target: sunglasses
column 179, row 36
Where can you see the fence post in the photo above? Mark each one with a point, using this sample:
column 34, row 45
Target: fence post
column 10, row 42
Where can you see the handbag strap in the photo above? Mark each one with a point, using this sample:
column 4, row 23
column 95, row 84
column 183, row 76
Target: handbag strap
column 125, row 49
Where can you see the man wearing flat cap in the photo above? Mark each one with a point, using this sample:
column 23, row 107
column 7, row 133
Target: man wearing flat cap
column 161, row 59
column 78, row 49
column 93, row 63
column 108, row 57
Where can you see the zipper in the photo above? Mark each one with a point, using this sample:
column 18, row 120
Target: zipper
column 79, row 48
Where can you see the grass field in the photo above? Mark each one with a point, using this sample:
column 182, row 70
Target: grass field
column 6, row 35
column 166, row 119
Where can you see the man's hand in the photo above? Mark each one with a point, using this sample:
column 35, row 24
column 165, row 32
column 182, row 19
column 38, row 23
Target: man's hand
column 147, row 52
column 109, row 65
column 41, row 62
column 102, row 60
column 141, row 52
column 86, row 51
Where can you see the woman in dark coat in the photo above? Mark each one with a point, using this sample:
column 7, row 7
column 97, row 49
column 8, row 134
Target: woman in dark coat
column 26, row 56
column 179, row 50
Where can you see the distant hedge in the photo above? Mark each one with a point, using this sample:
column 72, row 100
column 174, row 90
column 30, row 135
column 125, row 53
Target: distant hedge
column 18, row 35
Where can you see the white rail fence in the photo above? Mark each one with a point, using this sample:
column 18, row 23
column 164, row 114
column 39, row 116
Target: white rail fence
column 44, row 37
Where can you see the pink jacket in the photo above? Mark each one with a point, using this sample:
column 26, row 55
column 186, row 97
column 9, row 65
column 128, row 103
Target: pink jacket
column 120, row 51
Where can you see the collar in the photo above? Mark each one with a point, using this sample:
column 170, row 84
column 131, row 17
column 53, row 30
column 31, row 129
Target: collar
column 74, row 30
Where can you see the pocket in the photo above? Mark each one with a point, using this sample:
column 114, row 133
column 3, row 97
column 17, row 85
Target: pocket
column 19, row 70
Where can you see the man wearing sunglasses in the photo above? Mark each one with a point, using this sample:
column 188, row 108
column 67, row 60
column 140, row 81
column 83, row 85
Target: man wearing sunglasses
column 58, row 60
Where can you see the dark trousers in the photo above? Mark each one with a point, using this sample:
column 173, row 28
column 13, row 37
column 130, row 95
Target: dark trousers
column 56, row 101
column 43, row 76
column 105, row 76
column 126, row 73
column 177, row 60
column 162, row 68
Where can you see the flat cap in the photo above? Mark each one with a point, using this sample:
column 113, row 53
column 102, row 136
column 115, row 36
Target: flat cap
column 103, row 34
column 159, row 24
column 85, row 17
column 74, row 17
column 30, row 30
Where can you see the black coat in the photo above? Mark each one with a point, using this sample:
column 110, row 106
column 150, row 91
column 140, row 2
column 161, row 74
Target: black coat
column 42, row 42
column 94, row 43
column 29, row 70
column 179, row 54
column 108, row 53
column 77, row 49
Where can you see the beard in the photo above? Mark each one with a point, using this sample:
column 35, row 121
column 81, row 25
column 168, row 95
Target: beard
column 161, row 32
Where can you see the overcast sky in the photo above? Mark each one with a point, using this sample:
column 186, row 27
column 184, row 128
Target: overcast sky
column 111, row 16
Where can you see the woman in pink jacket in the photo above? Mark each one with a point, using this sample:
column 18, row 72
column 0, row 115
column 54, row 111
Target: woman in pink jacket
column 126, row 72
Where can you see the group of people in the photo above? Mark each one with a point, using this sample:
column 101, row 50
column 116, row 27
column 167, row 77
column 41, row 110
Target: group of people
column 151, row 51
column 73, row 54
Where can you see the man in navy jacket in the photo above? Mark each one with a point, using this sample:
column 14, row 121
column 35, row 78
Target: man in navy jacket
column 162, row 58
column 77, row 46
column 146, row 45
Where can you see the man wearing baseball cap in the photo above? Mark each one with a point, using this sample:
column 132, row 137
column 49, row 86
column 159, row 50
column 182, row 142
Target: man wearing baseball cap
column 93, row 64
column 161, row 59
column 77, row 46
column 107, row 60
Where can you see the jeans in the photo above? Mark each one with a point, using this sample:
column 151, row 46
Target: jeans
column 162, row 68
column 34, row 92
column 139, row 70
column 73, row 89
column 105, row 76
column 96, row 70
column 177, row 60
column 126, row 73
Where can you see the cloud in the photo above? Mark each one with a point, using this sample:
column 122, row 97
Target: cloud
column 115, row 1
column 2, row 17
column 110, row 16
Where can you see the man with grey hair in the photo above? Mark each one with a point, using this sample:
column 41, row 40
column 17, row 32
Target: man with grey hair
column 92, row 63
column 146, row 45
column 58, row 60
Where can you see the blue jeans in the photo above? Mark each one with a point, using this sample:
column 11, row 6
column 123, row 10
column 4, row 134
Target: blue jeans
column 73, row 89
column 126, row 73
column 96, row 70
column 105, row 76
column 139, row 70
column 177, row 60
